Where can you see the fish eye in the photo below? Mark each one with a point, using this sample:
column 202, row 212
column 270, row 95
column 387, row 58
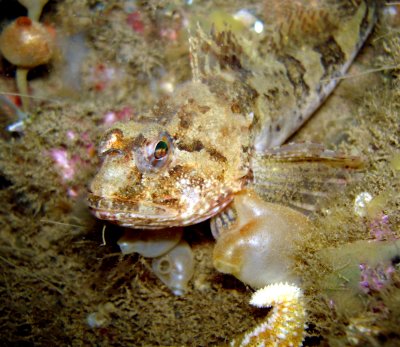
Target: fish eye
column 161, row 150
column 155, row 154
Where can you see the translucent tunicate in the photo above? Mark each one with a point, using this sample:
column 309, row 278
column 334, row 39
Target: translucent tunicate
column 175, row 268
column 150, row 243
column 34, row 7
column 258, row 246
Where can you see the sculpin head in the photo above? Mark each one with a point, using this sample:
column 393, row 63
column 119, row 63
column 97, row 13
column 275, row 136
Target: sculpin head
column 179, row 166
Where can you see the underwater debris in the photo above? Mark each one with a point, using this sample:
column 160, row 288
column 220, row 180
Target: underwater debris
column 15, row 117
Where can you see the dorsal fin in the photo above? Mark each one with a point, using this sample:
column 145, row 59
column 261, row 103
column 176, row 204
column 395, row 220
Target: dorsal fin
column 215, row 52
column 293, row 21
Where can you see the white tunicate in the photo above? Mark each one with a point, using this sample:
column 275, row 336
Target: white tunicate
column 175, row 268
column 150, row 243
column 258, row 26
column 361, row 202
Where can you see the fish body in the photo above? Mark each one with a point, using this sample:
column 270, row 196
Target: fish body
column 187, row 157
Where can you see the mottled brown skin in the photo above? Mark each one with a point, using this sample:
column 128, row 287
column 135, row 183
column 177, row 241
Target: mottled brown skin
column 204, row 167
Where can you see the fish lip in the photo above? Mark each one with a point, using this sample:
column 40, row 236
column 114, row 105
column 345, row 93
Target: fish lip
column 103, row 208
column 112, row 206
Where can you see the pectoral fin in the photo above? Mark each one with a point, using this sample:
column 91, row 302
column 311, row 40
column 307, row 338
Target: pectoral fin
column 303, row 176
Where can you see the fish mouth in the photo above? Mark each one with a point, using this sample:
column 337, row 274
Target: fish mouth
column 132, row 214
column 146, row 216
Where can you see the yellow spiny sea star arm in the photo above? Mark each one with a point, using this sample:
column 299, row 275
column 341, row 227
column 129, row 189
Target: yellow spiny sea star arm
column 284, row 326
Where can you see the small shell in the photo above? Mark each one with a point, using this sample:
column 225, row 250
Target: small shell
column 175, row 268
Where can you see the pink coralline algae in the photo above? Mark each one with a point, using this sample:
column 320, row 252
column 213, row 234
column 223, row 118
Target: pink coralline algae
column 103, row 76
column 374, row 279
column 380, row 228
column 123, row 114
column 67, row 164
column 134, row 20
column 64, row 163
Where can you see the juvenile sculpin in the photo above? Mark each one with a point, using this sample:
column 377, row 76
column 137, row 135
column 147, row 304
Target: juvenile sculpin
column 210, row 150
column 185, row 160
